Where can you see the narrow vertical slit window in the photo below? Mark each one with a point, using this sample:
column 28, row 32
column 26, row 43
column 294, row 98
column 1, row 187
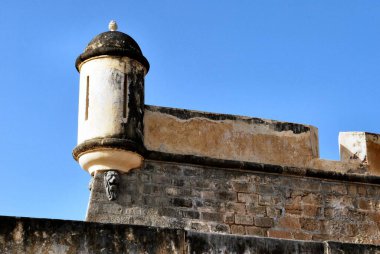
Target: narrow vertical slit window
column 87, row 97
column 125, row 95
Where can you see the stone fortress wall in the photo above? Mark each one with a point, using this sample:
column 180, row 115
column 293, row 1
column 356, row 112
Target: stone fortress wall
column 239, row 138
column 248, row 176
column 207, row 182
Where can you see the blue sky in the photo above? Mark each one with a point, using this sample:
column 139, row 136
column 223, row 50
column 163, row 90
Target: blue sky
column 312, row 62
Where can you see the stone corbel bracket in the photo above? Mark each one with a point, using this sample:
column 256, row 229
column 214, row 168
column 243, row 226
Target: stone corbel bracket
column 111, row 184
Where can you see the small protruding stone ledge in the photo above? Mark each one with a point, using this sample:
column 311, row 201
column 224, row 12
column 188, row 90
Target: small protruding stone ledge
column 261, row 167
column 186, row 114
column 351, row 248
column 107, row 142
column 30, row 235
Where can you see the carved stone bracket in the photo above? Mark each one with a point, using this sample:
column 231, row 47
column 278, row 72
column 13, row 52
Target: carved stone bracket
column 111, row 184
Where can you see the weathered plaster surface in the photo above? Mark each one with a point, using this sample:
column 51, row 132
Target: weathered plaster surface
column 111, row 105
column 229, row 137
column 352, row 146
column 102, row 95
column 361, row 147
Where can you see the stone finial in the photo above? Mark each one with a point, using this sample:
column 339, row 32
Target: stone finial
column 112, row 26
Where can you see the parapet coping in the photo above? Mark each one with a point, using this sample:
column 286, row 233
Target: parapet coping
column 262, row 167
column 27, row 234
column 186, row 114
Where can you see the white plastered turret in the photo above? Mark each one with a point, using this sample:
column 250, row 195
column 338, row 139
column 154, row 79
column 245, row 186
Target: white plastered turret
column 109, row 85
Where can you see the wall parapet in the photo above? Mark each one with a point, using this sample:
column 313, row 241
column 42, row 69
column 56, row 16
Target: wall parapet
column 229, row 137
column 30, row 235
column 249, row 139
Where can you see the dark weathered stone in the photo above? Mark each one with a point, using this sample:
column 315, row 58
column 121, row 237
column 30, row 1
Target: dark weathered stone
column 188, row 114
column 215, row 243
column 113, row 43
column 27, row 235
column 351, row 248
column 108, row 142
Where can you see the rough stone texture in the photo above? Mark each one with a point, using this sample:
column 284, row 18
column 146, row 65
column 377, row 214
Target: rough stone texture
column 217, row 243
column 27, row 235
column 350, row 166
column 340, row 248
column 229, row 137
column 33, row 236
column 212, row 199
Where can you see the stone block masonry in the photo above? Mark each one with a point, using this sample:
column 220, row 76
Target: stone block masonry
column 27, row 235
column 288, row 204
column 199, row 172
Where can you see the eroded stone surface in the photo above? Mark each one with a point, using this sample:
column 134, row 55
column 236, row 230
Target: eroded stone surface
column 229, row 137
column 350, row 166
column 215, row 243
column 29, row 235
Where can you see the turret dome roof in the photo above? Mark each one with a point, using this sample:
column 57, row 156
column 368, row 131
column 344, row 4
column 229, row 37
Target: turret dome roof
column 113, row 43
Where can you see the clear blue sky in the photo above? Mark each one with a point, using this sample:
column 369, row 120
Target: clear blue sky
column 312, row 62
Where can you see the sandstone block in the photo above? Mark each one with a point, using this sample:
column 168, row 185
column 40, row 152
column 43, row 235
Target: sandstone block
column 310, row 224
column 289, row 223
column 263, row 222
column 243, row 219
column 237, row 229
column 248, row 198
column 252, row 230
column 279, row 234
